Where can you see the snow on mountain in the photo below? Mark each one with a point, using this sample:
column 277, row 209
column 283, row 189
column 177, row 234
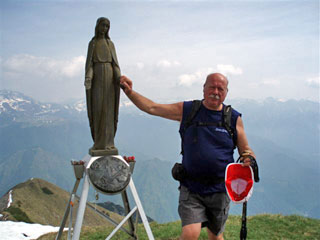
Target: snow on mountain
column 20, row 230
column 16, row 107
column 13, row 102
column 18, row 102
column 9, row 199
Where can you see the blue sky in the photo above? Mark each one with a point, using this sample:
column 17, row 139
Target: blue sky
column 266, row 48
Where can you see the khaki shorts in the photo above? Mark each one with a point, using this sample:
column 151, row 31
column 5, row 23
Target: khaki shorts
column 211, row 210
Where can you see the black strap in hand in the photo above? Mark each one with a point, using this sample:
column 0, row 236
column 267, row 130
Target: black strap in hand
column 254, row 166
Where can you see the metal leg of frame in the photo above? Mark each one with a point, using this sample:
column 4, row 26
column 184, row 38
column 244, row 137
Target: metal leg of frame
column 81, row 208
column 140, row 210
column 126, row 205
column 109, row 219
column 70, row 220
column 121, row 223
column 66, row 213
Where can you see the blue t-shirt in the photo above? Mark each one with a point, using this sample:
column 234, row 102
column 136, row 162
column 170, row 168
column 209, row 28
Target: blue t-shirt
column 212, row 151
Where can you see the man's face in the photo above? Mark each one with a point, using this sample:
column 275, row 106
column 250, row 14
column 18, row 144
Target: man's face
column 215, row 91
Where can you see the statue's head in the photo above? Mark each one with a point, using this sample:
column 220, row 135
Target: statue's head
column 102, row 21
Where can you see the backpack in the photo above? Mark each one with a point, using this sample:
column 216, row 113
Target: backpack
column 226, row 121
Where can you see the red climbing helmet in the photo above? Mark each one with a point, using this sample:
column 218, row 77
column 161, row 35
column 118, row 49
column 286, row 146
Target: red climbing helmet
column 239, row 182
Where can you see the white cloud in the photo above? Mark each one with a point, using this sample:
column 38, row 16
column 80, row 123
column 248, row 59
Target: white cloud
column 140, row 65
column 264, row 83
column 164, row 63
column 200, row 75
column 271, row 82
column 227, row 69
column 253, row 84
column 167, row 64
column 73, row 67
column 45, row 78
column 21, row 65
column 126, row 103
column 313, row 82
column 176, row 63
column 188, row 80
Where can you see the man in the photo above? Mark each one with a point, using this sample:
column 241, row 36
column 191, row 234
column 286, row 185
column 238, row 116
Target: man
column 201, row 204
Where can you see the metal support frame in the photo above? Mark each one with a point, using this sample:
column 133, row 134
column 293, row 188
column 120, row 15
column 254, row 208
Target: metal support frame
column 126, row 205
column 83, row 203
column 66, row 213
column 70, row 220
column 109, row 219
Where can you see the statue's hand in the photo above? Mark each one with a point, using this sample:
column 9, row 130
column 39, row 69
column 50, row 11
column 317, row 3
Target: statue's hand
column 87, row 83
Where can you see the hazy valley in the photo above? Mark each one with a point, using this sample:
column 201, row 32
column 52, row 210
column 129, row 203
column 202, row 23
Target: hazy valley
column 39, row 140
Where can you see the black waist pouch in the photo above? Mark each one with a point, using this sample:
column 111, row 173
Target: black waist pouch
column 178, row 172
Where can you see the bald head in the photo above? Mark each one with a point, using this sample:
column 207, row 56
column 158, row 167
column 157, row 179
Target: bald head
column 217, row 76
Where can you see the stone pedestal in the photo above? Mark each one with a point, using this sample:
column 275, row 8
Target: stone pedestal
column 103, row 152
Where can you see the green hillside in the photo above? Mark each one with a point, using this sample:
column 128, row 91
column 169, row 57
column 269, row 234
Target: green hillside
column 38, row 201
column 259, row 227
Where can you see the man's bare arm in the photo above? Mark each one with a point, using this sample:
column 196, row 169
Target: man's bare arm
column 169, row 111
column 242, row 142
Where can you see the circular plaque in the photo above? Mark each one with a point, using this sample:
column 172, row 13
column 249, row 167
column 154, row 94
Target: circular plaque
column 109, row 174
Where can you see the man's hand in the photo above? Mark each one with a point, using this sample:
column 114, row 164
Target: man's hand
column 245, row 158
column 126, row 85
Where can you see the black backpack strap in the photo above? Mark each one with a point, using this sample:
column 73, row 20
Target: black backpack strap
column 208, row 124
column 196, row 104
column 227, row 112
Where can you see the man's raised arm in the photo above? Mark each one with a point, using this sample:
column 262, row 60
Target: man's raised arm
column 169, row 111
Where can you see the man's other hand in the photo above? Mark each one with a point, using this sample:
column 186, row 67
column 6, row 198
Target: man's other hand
column 246, row 162
column 126, row 85
column 246, row 158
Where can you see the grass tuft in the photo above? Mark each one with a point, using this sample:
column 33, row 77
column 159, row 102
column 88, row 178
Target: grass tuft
column 19, row 215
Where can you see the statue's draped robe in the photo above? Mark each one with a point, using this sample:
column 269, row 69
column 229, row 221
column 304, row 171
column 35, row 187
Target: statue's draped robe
column 103, row 97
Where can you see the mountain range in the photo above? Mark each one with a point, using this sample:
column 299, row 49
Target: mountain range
column 40, row 139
